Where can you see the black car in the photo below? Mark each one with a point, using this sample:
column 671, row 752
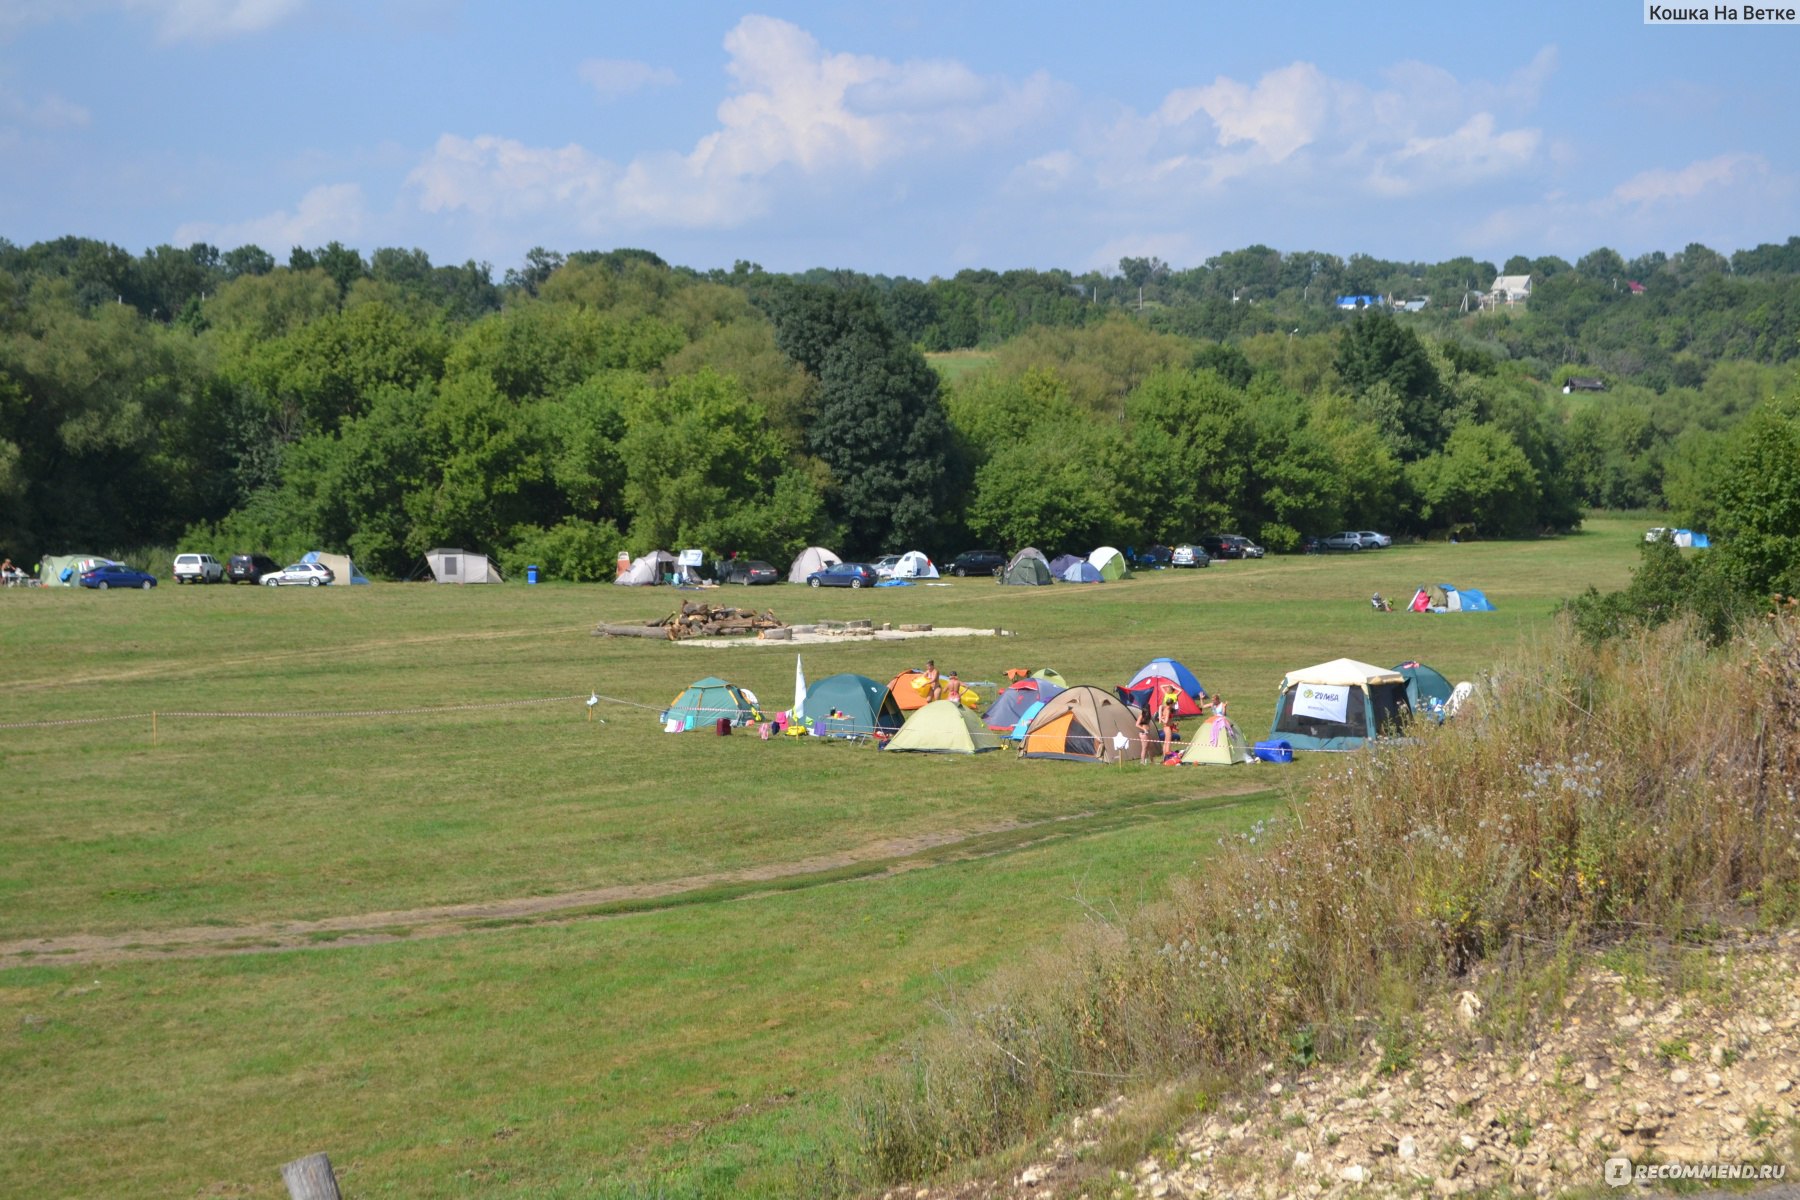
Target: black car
column 250, row 568
column 977, row 562
column 748, row 571
column 850, row 575
column 1229, row 545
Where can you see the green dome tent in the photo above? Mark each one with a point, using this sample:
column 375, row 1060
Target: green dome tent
column 1028, row 568
column 703, row 702
column 944, row 727
column 851, row 706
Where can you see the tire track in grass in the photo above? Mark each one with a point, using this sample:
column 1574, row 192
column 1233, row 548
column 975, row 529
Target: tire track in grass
column 886, row 857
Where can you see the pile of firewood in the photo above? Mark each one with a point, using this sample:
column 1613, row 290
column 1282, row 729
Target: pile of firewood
column 697, row 620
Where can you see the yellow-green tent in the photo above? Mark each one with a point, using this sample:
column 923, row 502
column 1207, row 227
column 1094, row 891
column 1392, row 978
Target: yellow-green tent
column 944, row 727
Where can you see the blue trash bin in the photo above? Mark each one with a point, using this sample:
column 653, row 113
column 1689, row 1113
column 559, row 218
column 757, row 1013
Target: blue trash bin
column 531, row 573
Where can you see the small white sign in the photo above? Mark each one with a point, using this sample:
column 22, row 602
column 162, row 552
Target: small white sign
column 1120, row 741
column 692, row 558
column 1322, row 703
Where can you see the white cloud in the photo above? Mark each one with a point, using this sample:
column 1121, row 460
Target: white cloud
column 1466, row 156
column 614, row 77
column 212, row 20
column 798, row 116
column 1657, row 186
column 1727, row 200
column 332, row 212
column 1297, row 131
column 47, row 112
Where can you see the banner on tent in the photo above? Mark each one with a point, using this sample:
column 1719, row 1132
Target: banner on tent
column 1322, row 703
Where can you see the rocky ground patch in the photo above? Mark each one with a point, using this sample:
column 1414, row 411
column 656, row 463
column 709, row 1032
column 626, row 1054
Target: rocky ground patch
column 1685, row 1058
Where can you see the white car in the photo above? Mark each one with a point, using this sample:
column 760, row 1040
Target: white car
column 1185, row 555
column 1375, row 541
column 311, row 574
column 198, row 568
column 885, row 565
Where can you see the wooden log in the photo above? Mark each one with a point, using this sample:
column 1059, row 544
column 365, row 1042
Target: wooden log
column 915, row 629
column 310, row 1178
column 656, row 632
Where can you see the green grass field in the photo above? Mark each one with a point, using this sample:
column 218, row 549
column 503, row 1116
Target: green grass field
column 762, row 920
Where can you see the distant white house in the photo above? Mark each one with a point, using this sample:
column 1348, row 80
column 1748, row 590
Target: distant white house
column 1509, row 290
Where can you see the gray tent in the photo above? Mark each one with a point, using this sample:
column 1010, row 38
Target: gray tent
column 459, row 566
column 650, row 569
column 813, row 558
column 1028, row 568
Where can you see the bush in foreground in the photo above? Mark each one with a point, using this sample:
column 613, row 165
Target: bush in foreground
column 1642, row 782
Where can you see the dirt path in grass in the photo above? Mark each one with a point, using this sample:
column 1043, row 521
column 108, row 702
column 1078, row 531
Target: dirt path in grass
column 888, row 856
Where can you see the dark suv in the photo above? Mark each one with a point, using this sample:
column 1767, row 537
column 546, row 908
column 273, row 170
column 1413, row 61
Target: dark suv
column 977, row 562
column 1229, row 545
column 250, row 568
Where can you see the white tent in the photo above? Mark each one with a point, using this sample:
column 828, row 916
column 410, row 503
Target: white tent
column 813, row 558
column 1110, row 563
column 649, row 569
column 914, row 565
column 459, row 566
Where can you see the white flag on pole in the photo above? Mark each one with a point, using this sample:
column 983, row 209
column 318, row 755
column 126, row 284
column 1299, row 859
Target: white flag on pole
column 799, row 686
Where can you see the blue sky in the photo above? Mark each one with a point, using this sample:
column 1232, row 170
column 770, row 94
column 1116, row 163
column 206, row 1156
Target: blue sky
column 911, row 138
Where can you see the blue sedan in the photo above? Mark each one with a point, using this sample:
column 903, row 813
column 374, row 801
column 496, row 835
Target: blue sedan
column 850, row 575
column 113, row 575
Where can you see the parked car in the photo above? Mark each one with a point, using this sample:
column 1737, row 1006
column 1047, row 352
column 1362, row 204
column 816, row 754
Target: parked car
column 1185, row 555
column 250, row 568
column 886, row 565
column 1312, row 543
column 845, row 574
column 311, row 574
column 116, row 575
column 977, row 562
column 1230, row 545
column 748, row 571
column 198, row 568
column 1348, row 539
column 1375, row 541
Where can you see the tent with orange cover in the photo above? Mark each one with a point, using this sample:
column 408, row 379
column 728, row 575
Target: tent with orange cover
column 1081, row 723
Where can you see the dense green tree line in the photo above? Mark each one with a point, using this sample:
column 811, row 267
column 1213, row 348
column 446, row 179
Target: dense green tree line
column 603, row 401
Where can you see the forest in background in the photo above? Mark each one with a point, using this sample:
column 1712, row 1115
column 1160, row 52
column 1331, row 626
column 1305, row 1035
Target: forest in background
column 598, row 401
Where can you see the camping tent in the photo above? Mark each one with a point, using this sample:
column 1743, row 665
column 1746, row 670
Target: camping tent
column 1217, row 742
column 914, row 565
column 1426, row 690
column 1060, row 565
column 944, row 727
column 1110, row 563
column 1081, row 723
column 64, row 570
column 459, row 566
column 1338, row 705
column 1052, row 674
column 1010, row 705
column 649, row 569
column 1028, row 568
column 1464, row 599
column 813, row 558
column 1689, row 540
column 1146, row 687
column 703, row 702
column 850, row 706
column 1082, row 571
column 343, row 571
column 906, row 690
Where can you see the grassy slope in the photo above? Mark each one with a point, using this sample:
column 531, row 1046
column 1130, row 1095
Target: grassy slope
column 595, row 1042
